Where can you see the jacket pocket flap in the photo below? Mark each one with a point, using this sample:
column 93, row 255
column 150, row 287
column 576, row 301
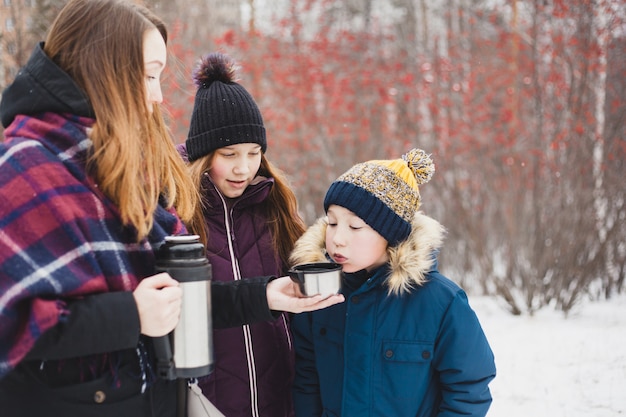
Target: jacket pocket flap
column 396, row 351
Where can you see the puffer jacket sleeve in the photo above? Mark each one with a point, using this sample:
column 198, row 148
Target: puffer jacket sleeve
column 235, row 303
column 306, row 390
column 464, row 361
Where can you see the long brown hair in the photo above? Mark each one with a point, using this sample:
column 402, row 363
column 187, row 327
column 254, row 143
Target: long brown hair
column 281, row 207
column 99, row 43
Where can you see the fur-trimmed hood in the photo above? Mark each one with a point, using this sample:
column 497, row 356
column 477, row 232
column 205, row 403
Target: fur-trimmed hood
column 409, row 261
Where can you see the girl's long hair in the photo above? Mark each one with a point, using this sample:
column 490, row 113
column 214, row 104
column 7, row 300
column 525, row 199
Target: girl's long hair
column 281, row 207
column 99, row 43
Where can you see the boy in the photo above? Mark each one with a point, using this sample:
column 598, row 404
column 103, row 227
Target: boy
column 405, row 342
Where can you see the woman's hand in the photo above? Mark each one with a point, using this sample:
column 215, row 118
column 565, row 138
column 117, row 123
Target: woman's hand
column 159, row 299
column 284, row 295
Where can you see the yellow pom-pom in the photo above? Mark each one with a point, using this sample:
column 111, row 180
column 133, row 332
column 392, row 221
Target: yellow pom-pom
column 420, row 164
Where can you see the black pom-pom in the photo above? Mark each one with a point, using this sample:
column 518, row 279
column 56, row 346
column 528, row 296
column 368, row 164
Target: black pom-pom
column 214, row 67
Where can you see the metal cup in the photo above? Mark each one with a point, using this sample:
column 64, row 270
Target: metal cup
column 317, row 278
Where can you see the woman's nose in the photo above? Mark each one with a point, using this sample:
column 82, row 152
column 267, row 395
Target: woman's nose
column 156, row 95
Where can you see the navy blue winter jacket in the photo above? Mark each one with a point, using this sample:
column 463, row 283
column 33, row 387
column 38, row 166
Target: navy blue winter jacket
column 419, row 353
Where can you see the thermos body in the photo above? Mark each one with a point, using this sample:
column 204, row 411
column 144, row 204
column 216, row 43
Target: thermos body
column 191, row 342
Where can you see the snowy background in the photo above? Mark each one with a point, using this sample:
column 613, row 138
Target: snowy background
column 551, row 366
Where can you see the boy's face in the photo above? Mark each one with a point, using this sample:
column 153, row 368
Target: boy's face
column 353, row 243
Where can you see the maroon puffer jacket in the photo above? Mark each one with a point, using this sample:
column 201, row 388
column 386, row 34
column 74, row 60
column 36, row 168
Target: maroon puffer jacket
column 254, row 364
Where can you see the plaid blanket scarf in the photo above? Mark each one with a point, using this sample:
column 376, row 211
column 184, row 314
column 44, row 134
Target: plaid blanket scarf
column 60, row 237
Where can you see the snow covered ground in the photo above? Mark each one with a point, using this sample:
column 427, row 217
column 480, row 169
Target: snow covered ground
column 551, row 366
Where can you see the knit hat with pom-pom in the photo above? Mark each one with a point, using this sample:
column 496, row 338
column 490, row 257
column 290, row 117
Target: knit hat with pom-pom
column 384, row 193
column 224, row 113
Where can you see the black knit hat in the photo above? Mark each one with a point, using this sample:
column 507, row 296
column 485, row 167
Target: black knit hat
column 224, row 113
column 384, row 193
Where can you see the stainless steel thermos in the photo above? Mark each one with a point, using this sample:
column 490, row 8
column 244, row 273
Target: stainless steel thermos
column 187, row 352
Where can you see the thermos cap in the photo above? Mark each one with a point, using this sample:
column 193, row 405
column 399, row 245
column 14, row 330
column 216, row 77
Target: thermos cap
column 184, row 258
column 181, row 248
column 182, row 239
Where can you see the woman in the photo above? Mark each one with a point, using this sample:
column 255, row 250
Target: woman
column 89, row 180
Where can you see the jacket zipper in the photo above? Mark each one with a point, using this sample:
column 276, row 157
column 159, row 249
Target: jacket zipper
column 254, row 403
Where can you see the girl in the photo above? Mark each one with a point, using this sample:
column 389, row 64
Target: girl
column 251, row 219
